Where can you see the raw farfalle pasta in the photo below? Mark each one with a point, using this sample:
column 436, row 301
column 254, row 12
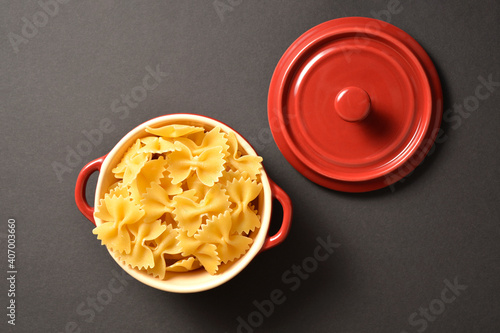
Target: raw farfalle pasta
column 218, row 231
column 165, row 246
column 117, row 213
column 242, row 192
column 141, row 255
column 184, row 265
column 184, row 198
column 208, row 165
column 244, row 163
column 131, row 164
column 214, row 138
column 189, row 213
column 206, row 253
column 174, row 131
column 154, row 144
column 151, row 173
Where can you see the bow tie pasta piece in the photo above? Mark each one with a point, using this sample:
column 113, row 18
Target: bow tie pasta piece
column 242, row 192
column 134, row 166
column 214, row 138
column 156, row 145
column 156, row 202
column 208, row 166
column 120, row 210
column 174, row 131
column 179, row 163
column 166, row 244
column 204, row 252
column 217, row 231
column 247, row 163
column 151, row 172
column 184, row 265
column 131, row 163
column 189, row 214
column 119, row 170
column 114, row 237
column 141, row 256
column 116, row 213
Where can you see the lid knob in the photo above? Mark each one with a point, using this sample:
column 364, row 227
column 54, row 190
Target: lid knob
column 352, row 104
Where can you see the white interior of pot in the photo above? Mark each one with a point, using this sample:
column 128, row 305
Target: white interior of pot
column 200, row 279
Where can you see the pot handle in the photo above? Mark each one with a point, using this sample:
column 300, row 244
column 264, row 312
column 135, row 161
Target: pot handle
column 286, row 203
column 81, row 187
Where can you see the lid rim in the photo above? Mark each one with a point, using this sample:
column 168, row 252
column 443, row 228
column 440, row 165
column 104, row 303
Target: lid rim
column 431, row 114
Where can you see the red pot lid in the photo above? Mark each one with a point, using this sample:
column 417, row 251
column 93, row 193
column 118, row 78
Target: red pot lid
column 355, row 104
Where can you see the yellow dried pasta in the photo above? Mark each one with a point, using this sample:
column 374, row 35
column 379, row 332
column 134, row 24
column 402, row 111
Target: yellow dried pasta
column 116, row 213
column 183, row 198
column 141, row 255
column 189, row 213
column 152, row 172
column 208, row 165
column 214, row 138
column 242, row 192
column 218, row 231
column 119, row 170
column 165, row 244
column 174, row 131
column 184, row 265
column 157, row 145
column 243, row 163
column 206, row 253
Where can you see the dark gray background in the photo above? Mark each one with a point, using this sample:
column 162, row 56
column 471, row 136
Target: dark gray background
column 397, row 247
